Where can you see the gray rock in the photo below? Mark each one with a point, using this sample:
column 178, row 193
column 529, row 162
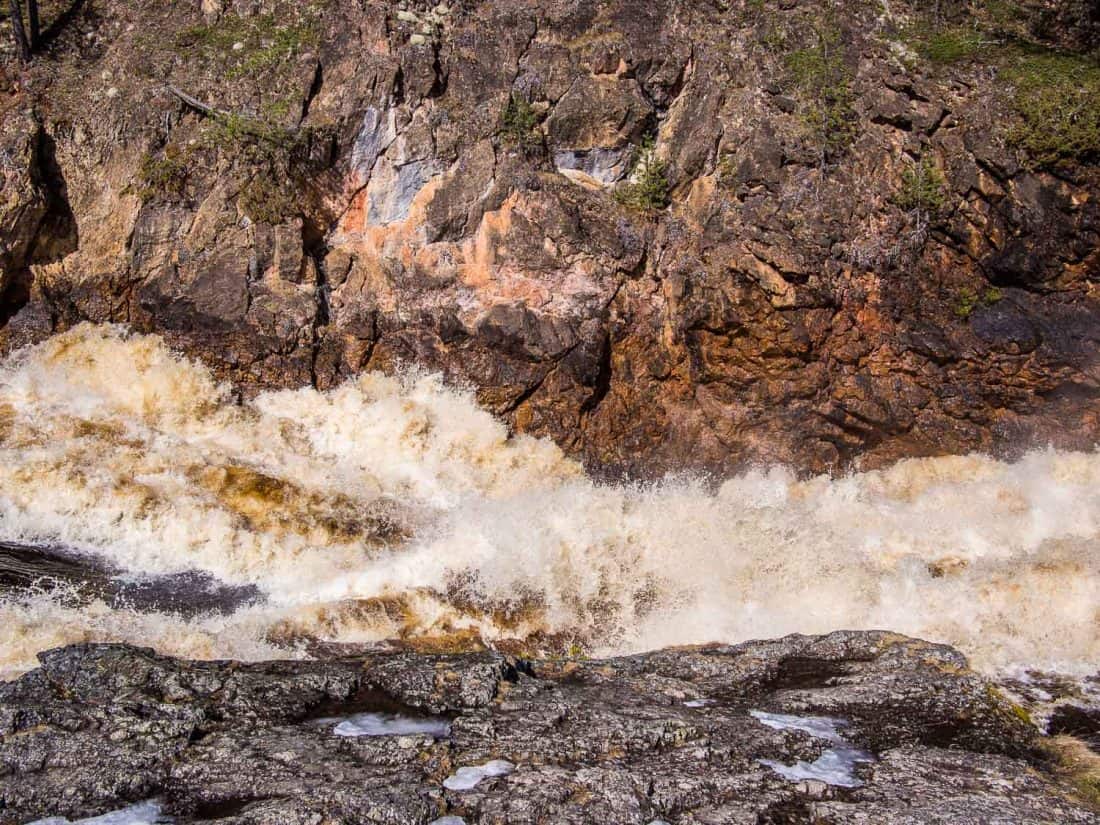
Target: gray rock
column 603, row 164
column 98, row 727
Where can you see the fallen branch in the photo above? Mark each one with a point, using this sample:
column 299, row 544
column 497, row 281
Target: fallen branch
column 245, row 123
column 197, row 104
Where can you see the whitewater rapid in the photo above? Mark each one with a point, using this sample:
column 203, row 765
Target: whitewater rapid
column 393, row 507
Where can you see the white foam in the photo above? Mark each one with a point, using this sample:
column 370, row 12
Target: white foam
column 143, row 813
column 393, row 506
column 835, row 766
column 467, row 778
column 389, row 724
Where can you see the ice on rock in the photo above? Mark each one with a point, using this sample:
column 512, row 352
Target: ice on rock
column 392, row 724
column 143, row 813
column 820, row 727
column 465, row 779
column 836, row 766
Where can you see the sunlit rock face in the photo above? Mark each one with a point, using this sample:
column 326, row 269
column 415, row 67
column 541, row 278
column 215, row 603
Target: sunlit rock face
column 789, row 305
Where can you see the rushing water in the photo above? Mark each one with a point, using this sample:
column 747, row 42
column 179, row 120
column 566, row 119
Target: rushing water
column 395, row 507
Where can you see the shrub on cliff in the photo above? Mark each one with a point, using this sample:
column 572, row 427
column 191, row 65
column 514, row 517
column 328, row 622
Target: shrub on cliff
column 647, row 188
column 922, row 189
column 519, row 123
column 822, row 76
column 164, row 174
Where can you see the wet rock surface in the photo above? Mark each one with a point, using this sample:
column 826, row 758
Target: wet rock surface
column 80, row 578
column 401, row 207
column 99, row 727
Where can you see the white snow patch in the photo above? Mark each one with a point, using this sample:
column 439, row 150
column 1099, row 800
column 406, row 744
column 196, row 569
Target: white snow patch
column 467, row 778
column 143, row 813
column 448, row 820
column 391, row 724
column 836, row 766
column 696, row 703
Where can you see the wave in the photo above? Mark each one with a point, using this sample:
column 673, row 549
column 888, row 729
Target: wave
column 393, row 507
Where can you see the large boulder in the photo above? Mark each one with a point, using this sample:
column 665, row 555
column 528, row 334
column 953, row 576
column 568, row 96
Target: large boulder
column 849, row 727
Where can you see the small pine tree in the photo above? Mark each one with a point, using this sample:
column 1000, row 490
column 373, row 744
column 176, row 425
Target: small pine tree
column 647, row 188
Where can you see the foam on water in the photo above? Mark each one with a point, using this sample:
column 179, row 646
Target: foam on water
column 836, row 765
column 394, row 507
column 391, row 724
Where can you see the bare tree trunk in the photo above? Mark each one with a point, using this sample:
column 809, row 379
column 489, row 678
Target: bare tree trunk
column 15, row 14
column 36, row 28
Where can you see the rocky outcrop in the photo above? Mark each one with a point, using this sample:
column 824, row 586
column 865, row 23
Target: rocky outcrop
column 711, row 734
column 363, row 186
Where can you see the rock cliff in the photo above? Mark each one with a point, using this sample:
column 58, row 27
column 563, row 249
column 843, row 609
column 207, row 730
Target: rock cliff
column 672, row 234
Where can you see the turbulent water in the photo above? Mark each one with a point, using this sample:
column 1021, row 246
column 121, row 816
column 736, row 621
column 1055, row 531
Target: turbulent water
column 395, row 508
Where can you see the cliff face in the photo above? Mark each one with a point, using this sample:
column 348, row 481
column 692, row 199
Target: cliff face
column 666, row 234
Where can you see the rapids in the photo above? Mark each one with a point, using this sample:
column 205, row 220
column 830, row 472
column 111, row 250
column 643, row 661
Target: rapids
column 393, row 507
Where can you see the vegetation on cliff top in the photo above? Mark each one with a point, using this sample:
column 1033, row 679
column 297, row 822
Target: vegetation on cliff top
column 1054, row 95
column 1057, row 99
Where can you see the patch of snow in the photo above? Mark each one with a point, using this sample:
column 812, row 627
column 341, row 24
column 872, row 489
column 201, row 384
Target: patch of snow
column 143, row 813
column 448, row 820
column 836, row 766
column 696, row 703
column 465, row 779
column 391, row 724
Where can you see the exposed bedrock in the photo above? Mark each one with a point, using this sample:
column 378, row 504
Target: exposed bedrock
column 863, row 257
column 897, row 730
